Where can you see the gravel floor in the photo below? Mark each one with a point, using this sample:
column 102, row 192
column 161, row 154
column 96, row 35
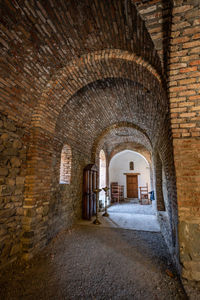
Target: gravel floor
column 96, row 263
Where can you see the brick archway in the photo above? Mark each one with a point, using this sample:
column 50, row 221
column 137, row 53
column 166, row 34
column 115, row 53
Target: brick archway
column 77, row 74
column 98, row 143
column 94, row 66
column 134, row 147
column 104, row 64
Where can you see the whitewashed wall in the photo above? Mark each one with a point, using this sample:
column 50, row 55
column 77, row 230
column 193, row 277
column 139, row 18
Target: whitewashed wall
column 102, row 175
column 120, row 164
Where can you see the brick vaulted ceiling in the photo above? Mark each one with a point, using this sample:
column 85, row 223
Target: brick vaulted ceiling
column 120, row 138
column 157, row 17
column 112, row 106
column 73, row 69
column 39, row 38
column 124, row 135
column 52, row 51
column 130, row 146
column 78, row 72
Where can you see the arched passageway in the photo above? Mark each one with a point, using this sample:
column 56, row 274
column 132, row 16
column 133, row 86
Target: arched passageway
column 129, row 174
column 126, row 163
column 111, row 75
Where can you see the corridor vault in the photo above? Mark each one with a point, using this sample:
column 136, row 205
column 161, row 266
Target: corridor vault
column 92, row 76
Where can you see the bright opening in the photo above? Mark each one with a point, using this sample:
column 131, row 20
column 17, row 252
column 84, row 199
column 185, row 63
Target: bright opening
column 66, row 165
column 102, row 176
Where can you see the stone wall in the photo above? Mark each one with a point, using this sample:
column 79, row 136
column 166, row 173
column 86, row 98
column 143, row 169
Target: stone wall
column 51, row 50
column 12, row 180
column 65, row 205
column 56, row 205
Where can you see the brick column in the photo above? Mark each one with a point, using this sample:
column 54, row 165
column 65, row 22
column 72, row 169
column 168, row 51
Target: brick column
column 37, row 192
column 184, row 88
column 158, row 183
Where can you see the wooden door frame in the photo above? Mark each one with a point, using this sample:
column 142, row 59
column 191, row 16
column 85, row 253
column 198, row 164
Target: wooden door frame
column 131, row 174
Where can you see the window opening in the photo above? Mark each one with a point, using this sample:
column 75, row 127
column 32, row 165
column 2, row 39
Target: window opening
column 66, row 165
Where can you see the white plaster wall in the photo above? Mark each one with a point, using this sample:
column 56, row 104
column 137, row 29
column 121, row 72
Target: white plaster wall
column 120, row 164
column 102, row 175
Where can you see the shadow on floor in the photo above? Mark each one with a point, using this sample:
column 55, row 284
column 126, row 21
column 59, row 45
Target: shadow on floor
column 96, row 263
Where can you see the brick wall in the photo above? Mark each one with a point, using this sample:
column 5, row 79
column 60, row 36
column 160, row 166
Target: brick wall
column 157, row 17
column 52, row 49
column 158, row 182
column 12, row 178
column 185, row 116
column 38, row 40
column 88, row 118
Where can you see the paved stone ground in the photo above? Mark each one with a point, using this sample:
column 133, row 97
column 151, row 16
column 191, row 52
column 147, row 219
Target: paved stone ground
column 133, row 208
column 96, row 263
column 134, row 216
column 129, row 216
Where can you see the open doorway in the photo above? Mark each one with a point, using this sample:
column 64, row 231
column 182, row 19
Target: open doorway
column 102, row 177
column 130, row 172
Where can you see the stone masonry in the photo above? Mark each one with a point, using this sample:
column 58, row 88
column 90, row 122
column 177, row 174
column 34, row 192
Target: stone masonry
column 81, row 73
column 12, row 178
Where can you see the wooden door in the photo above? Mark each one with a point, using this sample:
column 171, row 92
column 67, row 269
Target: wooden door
column 132, row 186
column 90, row 181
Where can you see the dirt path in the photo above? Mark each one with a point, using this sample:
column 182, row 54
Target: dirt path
column 96, row 263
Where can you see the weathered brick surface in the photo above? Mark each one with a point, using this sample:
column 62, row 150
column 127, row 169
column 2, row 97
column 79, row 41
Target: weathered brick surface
column 39, row 38
column 91, row 68
column 184, row 95
column 158, row 183
column 157, row 17
column 85, row 139
column 185, row 83
column 47, row 61
column 188, row 189
column 121, row 134
column 79, row 73
column 165, row 184
column 12, row 178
